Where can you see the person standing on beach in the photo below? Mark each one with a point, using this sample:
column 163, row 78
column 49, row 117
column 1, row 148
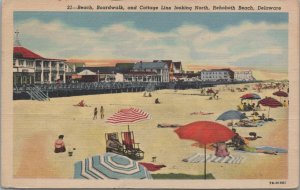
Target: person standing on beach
column 95, row 113
column 102, row 112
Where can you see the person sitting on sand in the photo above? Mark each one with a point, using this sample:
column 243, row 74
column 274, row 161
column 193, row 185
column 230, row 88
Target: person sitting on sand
column 262, row 117
column 245, row 106
column 157, row 101
column 258, row 107
column 285, row 104
column 249, row 107
column 255, row 116
column 150, row 95
column 241, row 107
column 221, row 150
column 59, row 145
column 236, row 139
column 81, row 103
column 145, row 94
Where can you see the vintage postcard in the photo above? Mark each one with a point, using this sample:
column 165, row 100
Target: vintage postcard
column 150, row 94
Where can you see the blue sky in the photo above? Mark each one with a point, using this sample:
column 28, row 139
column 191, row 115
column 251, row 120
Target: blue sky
column 258, row 40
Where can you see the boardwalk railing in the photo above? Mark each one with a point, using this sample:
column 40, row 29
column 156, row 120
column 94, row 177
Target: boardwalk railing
column 44, row 91
column 37, row 94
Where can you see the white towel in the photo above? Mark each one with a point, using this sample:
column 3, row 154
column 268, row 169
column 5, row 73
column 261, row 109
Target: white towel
column 199, row 158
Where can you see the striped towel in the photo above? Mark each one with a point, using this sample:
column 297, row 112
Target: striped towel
column 199, row 158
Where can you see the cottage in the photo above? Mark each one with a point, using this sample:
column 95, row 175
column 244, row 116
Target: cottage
column 152, row 71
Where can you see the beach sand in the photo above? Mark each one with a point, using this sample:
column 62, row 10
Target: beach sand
column 38, row 124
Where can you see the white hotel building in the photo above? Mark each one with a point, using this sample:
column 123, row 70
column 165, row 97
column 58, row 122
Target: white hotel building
column 217, row 75
column 243, row 75
column 31, row 68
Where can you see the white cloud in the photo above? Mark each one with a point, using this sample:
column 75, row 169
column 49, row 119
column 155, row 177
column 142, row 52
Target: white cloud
column 188, row 43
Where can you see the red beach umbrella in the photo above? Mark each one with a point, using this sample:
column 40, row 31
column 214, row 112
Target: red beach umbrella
column 251, row 96
column 210, row 91
column 281, row 94
column 128, row 116
column 270, row 102
column 205, row 132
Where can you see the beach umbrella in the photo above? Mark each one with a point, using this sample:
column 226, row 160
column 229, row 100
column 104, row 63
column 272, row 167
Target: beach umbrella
column 250, row 96
column 270, row 102
column 232, row 115
column 205, row 132
column 210, row 91
column 128, row 116
column 110, row 166
column 281, row 94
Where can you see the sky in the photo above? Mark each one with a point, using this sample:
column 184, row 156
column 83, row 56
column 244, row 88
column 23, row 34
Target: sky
column 245, row 40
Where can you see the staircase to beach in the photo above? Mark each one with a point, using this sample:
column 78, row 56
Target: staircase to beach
column 37, row 94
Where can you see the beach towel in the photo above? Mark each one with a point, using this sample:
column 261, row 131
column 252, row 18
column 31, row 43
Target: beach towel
column 268, row 148
column 199, row 158
column 275, row 149
column 152, row 167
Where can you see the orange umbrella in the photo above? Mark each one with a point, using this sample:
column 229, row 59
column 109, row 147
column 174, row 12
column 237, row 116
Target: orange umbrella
column 205, row 132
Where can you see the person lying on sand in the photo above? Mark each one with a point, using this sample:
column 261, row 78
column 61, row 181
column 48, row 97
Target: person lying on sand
column 201, row 113
column 166, row 125
column 244, row 147
column 82, row 104
column 253, row 136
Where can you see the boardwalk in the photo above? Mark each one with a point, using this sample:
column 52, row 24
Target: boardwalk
column 77, row 89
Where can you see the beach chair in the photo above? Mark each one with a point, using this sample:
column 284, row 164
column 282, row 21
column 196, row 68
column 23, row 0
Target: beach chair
column 131, row 149
column 113, row 144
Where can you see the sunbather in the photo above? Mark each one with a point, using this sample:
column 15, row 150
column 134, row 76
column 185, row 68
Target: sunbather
column 253, row 136
column 244, row 147
column 221, row 150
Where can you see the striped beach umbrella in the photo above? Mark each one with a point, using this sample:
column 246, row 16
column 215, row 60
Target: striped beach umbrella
column 128, row 116
column 110, row 166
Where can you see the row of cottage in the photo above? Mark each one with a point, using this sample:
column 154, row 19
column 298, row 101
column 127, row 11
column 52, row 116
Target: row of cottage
column 31, row 68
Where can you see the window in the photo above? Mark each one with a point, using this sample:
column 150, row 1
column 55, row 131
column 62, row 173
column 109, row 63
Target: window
column 21, row 62
column 29, row 63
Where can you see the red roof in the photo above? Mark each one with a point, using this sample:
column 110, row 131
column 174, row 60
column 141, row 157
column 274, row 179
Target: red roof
column 22, row 52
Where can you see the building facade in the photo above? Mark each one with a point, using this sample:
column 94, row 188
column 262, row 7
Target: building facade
column 243, row 76
column 217, row 75
column 174, row 68
column 31, row 68
column 152, row 71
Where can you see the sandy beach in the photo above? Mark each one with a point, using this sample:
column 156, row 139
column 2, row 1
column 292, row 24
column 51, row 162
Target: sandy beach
column 38, row 124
